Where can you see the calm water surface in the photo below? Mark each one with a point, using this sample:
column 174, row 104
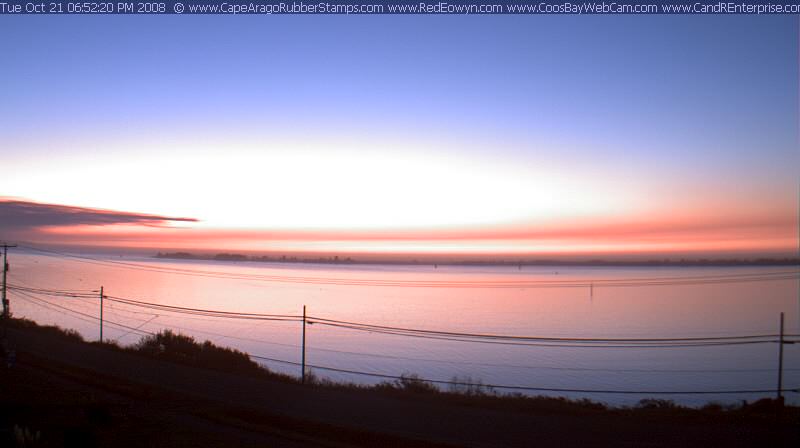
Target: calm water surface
column 604, row 311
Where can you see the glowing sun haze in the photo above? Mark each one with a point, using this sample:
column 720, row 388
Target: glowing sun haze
column 328, row 189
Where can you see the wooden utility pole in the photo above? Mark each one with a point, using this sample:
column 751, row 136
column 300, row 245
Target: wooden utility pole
column 780, row 362
column 101, row 314
column 6, row 311
column 303, row 357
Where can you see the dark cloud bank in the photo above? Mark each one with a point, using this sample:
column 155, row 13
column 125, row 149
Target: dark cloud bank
column 19, row 215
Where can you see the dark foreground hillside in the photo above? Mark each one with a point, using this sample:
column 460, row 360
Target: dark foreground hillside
column 61, row 391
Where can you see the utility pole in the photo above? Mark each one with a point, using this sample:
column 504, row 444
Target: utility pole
column 303, row 357
column 780, row 363
column 101, row 314
column 5, row 271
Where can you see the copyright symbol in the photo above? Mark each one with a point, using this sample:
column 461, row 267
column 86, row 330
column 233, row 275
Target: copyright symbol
column 178, row 8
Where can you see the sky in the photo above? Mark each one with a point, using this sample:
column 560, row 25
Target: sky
column 537, row 135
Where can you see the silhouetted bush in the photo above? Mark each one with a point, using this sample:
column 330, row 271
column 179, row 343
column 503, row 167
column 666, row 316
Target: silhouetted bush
column 184, row 349
column 713, row 406
column 763, row 406
column 468, row 386
column 52, row 330
column 411, row 382
column 312, row 378
column 656, row 403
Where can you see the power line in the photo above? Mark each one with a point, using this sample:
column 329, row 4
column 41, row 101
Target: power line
column 373, row 327
column 561, row 345
column 528, row 388
column 172, row 308
column 324, row 321
column 206, row 312
column 76, row 314
column 41, row 303
column 431, row 381
column 92, row 295
column 31, row 297
column 136, row 329
column 221, row 335
column 61, row 293
column 442, row 361
column 464, row 337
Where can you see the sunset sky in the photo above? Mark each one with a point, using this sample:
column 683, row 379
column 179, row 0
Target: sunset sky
column 402, row 134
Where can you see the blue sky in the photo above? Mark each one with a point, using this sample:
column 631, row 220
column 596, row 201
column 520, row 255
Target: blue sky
column 524, row 76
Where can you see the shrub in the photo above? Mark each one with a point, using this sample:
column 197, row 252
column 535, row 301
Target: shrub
column 169, row 345
column 764, row 405
column 713, row 406
column 468, row 386
column 52, row 330
column 656, row 403
column 184, row 349
column 411, row 382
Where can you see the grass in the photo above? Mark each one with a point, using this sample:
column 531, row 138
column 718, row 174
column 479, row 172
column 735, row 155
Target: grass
column 52, row 330
column 174, row 347
column 166, row 346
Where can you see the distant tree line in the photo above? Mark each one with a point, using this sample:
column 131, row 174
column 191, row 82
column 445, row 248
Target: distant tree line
column 336, row 259
column 261, row 258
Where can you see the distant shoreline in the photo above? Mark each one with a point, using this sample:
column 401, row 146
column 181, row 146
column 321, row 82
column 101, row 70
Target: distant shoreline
column 348, row 260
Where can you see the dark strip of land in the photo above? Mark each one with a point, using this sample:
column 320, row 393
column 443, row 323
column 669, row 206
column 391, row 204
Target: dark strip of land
column 75, row 393
column 429, row 260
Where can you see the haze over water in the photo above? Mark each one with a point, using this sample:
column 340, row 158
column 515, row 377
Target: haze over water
column 665, row 311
